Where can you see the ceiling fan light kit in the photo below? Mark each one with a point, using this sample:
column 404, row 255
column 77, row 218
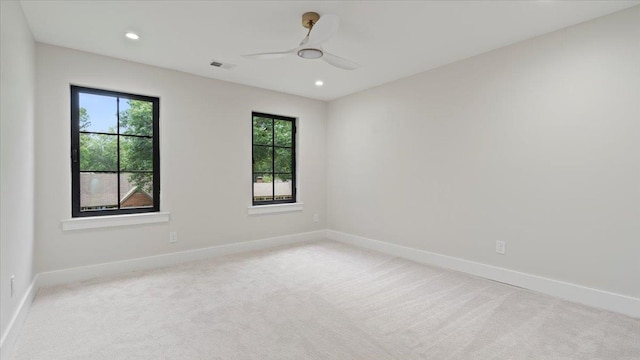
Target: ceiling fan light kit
column 321, row 29
column 310, row 53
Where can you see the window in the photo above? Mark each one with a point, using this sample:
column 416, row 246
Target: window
column 274, row 159
column 115, row 156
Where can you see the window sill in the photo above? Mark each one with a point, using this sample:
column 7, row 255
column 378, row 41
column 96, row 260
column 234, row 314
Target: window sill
column 276, row 208
column 97, row 222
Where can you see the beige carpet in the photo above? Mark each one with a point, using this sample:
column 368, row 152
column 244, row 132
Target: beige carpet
column 321, row 300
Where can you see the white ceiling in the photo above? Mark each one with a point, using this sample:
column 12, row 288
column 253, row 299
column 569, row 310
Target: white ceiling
column 391, row 39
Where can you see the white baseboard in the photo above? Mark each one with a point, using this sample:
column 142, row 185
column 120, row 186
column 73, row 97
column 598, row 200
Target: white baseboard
column 13, row 329
column 65, row 276
column 576, row 293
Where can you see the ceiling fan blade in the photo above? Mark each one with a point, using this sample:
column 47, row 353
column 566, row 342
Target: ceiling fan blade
column 270, row 55
column 337, row 61
column 323, row 30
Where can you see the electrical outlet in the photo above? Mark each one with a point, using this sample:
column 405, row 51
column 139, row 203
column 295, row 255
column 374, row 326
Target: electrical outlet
column 13, row 280
column 316, row 218
column 500, row 247
column 173, row 236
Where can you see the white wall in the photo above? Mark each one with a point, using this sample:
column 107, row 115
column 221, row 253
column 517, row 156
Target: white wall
column 205, row 144
column 17, row 74
column 536, row 144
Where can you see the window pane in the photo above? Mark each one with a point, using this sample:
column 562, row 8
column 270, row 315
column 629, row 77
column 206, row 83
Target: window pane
column 136, row 117
column 98, row 152
column 283, row 185
column 262, row 159
column 262, row 131
column 282, row 133
column 262, row 187
column 273, row 158
column 117, row 166
column 136, row 190
column 136, row 153
column 98, row 191
column 284, row 160
column 98, row 113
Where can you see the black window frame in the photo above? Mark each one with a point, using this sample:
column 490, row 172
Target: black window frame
column 75, row 153
column 294, row 196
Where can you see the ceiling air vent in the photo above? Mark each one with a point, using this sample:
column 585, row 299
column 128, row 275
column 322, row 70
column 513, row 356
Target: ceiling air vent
column 219, row 64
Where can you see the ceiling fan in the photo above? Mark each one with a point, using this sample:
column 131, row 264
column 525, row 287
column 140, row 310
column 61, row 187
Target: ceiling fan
column 321, row 29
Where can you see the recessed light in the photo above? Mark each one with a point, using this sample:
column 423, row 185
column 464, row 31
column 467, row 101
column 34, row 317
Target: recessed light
column 132, row 35
column 319, row 83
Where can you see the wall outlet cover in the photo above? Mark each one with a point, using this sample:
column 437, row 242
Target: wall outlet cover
column 500, row 247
